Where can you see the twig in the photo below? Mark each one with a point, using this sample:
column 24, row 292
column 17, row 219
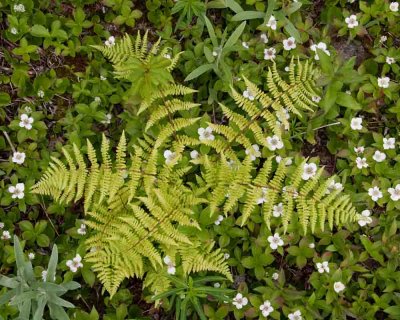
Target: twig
column 9, row 141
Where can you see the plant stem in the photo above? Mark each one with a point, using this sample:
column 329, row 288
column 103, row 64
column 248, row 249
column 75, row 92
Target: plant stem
column 9, row 141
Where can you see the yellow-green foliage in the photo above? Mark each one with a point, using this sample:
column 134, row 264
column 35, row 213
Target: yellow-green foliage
column 144, row 210
column 309, row 204
column 147, row 69
column 267, row 109
column 134, row 227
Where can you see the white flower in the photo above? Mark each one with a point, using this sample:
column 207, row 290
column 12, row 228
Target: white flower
column 356, row 123
column 390, row 60
column 395, row 193
column 289, row 43
column 169, row 156
column 170, row 264
column 309, row 171
column 110, row 42
column 205, row 134
column 31, row 256
column 322, row 46
column 383, row 39
column 219, row 220
column 194, row 154
column 361, row 163
column 40, row 93
column 102, row 78
column 278, row 210
column 217, row 285
column 275, row 241
column 254, row 152
column 348, row 92
column 311, row 245
column 351, row 21
column 274, row 143
column 75, row 263
column 263, row 196
column 1, row 225
column 285, row 114
column 365, row 218
column 17, row 191
column 322, row 267
column 239, row 301
column 383, row 82
column 316, row 99
column 272, row 23
column 18, row 157
column 338, row 287
column 266, row 308
column 295, row 315
column 215, row 53
column 19, row 7
column 226, row 256
column 334, row 186
column 287, row 68
column 82, row 229
column 107, row 119
column 248, row 94
column 264, row 38
column 6, row 235
column 379, row 156
column 97, row 99
column 375, row 193
column 389, row 143
column 394, row 6
column 275, row 276
column 167, row 56
column 359, row 149
column 13, row 30
column 26, row 121
column 269, row 54
column 245, row 45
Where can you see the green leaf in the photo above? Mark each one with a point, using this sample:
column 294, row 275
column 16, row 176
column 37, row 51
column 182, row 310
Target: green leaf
column 19, row 255
column 43, row 240
column 325, row 62
column 51, row 269
column 199, row 71
column 211, row 31
column 235, row 36
column 8, row 282
column 248, row 15
column 348, row 101
column 393, row 311
column 39, row 31
column 4, row 99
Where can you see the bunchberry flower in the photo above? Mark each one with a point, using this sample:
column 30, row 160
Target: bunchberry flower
column 384, row 82
column 351, row 21
column 18, row 157
column 26, row 121
column 395, row 193
column 338, row 287
column 205, row 134
column 289, row 43
column 75, row 263
column 254, row 152
column 356, row 123
column 361, row 163
column 295, row 315
column 239, row 301
column 266, row 308
column 170, row 264
column 274, row 143
column 389, row 143
column 17, row 191
column 375, row 193
column 365, row 218
column 379, row 156
column 309, row 171
column 275, row 241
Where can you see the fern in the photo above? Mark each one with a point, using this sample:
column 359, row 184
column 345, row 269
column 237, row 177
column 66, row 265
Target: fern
column 131, row 225
column 147, row 69
column 142, row 210
column 269, row 107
